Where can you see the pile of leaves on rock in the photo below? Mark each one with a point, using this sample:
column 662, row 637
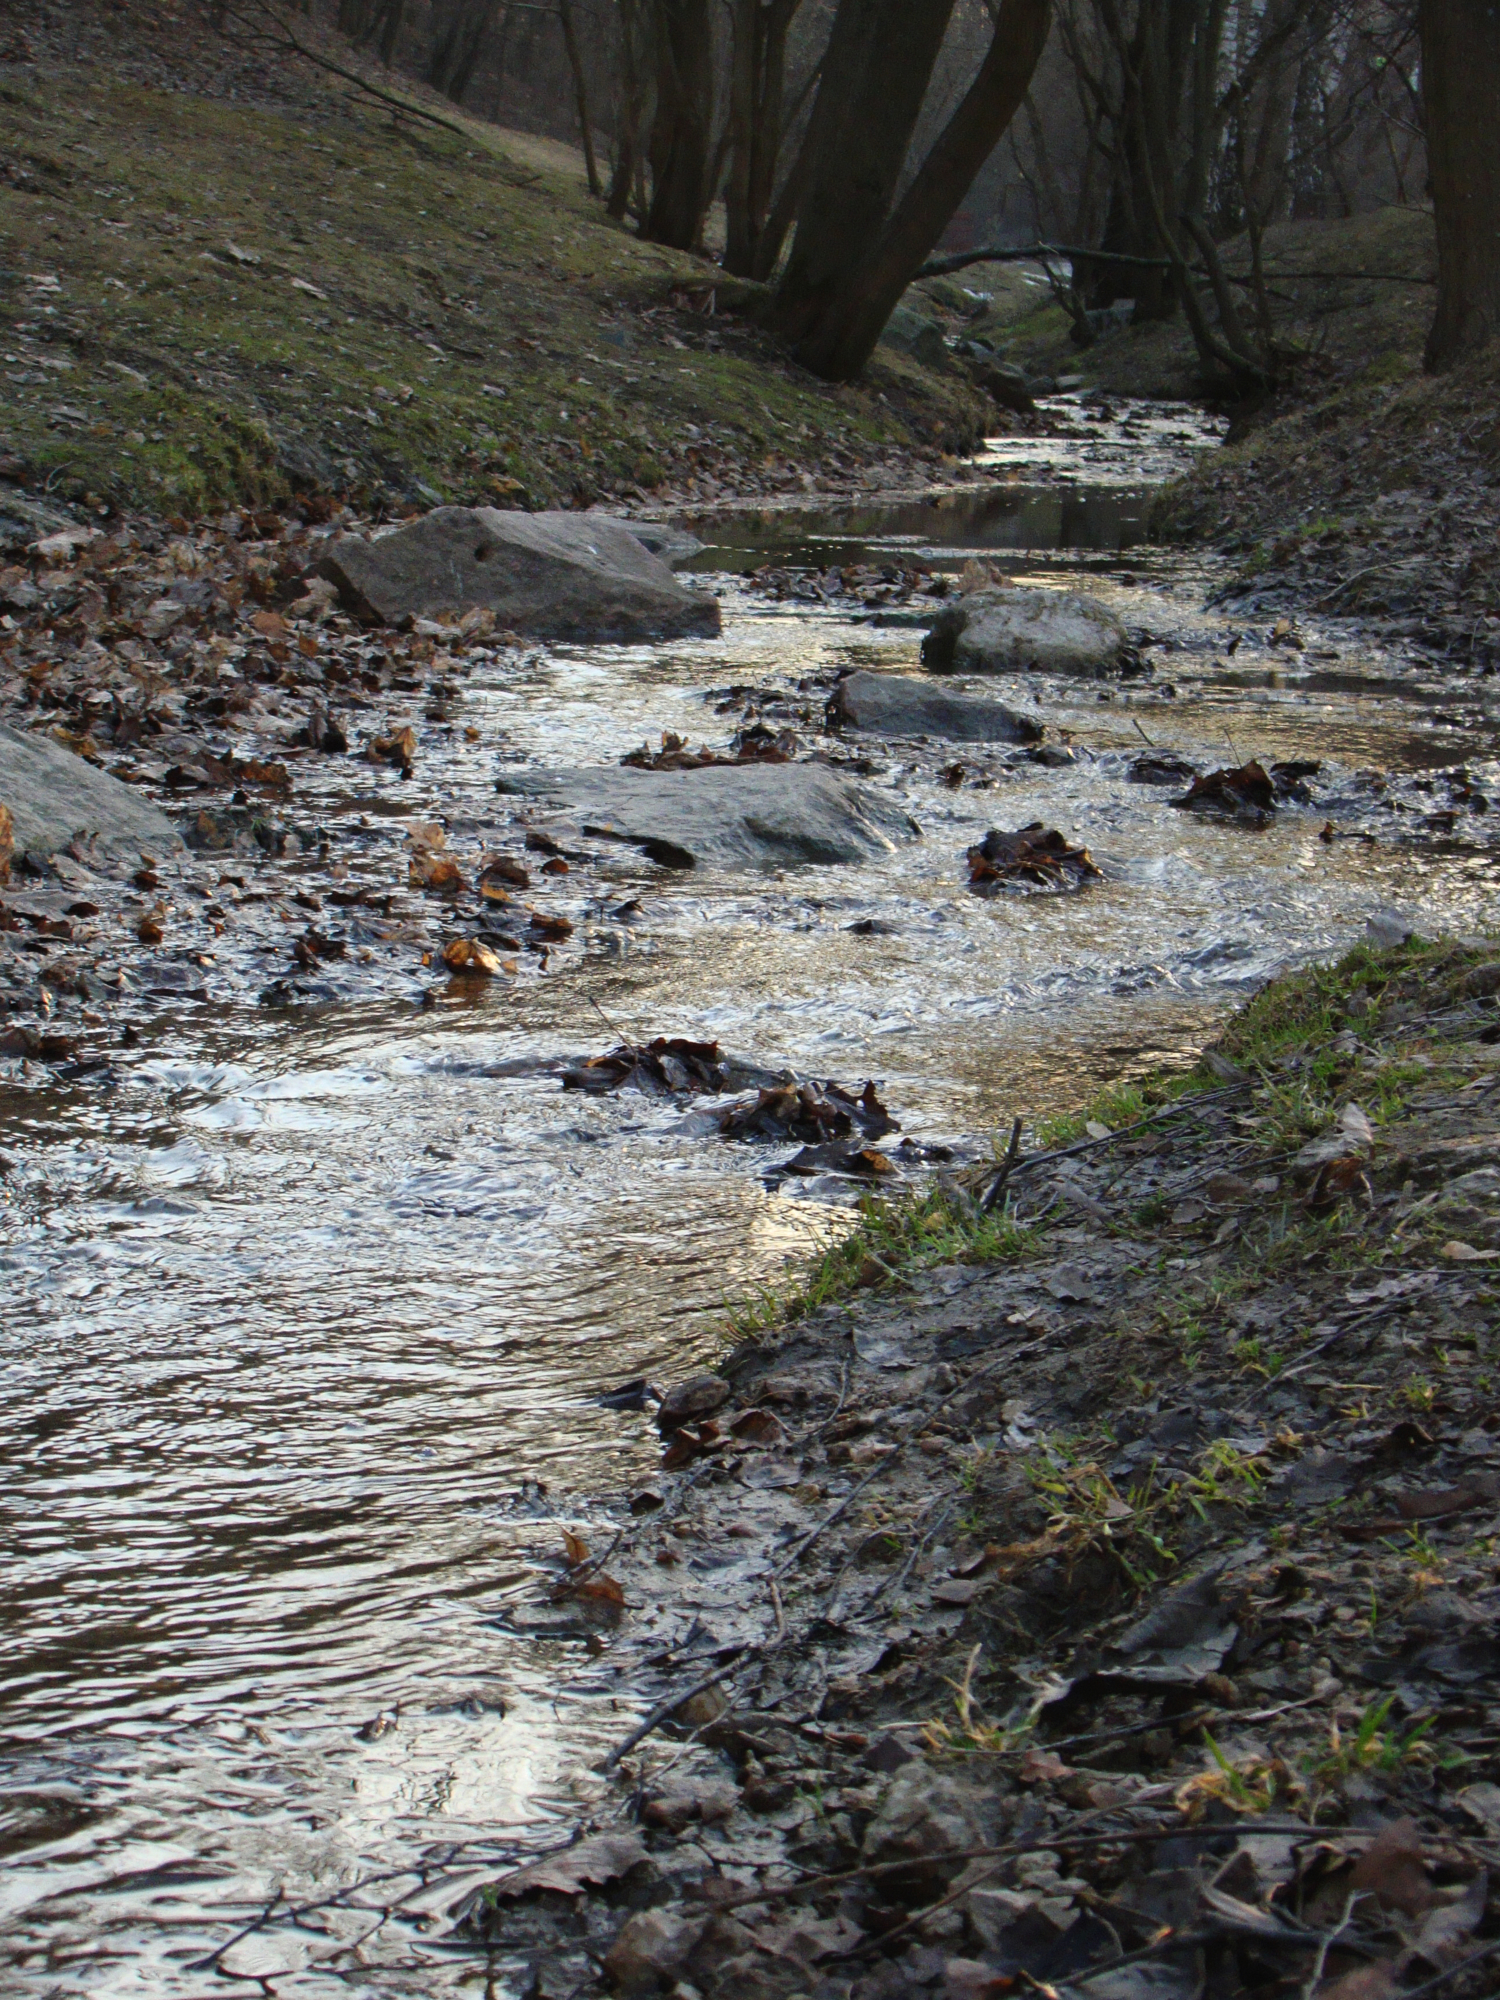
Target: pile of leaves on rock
column 757, row 743
column 837, row 1127
column 1037, row 860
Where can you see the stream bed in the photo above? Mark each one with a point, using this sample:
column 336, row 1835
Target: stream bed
column 306, row 1320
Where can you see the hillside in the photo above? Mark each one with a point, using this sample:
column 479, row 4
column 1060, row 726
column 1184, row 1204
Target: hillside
column 228, row 274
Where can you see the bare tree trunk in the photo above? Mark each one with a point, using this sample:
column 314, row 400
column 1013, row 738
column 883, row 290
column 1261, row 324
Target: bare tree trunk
column 1460, row 91
column 580, row 88
column 631, row 111
column 840, row 320
column 386, row 32
column 1266, row 129
column 681, row 132
column 481, row 20
column 458, row 34
column 880, row 58
column 757, row 99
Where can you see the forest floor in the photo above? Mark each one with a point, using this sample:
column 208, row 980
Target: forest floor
column 1098, row 1595
column 230, row 275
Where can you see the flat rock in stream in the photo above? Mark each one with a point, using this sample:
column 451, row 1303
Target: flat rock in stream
column 54, row 796
column 1006, row 631
column 563, row 576
column 900, row 705
column 727, row 815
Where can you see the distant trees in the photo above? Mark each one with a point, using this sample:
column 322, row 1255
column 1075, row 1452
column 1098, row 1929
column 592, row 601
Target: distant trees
column 1461, row 93
column 824, row 147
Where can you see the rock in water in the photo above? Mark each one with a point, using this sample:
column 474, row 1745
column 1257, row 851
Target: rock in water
column 53, row 795
column 898, row 705
column 546, row 576
column 675, row 546
column 1010, row 631
column 726, row 815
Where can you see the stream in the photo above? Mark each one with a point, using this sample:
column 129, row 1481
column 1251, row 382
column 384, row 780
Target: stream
column 306, row 1320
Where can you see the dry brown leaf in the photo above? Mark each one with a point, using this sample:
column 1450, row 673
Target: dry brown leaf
column 1392, row 1868
column 469, row 955
column 439, row 873
column 591, row 1862
column 503, row 868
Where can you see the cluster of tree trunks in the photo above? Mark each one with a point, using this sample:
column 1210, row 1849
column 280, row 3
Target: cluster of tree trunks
column 1193, row 104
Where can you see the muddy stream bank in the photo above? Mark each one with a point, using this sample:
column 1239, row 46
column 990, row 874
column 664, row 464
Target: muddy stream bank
column 309, row 1307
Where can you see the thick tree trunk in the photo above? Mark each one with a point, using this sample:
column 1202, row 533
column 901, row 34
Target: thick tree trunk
column 681, row 134
column 757, row 109
column 1461, row 93
column 852, row 304
column 880, row 58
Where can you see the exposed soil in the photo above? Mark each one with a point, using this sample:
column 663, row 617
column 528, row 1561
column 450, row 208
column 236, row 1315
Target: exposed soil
column 1104, row 1581
column 1381, row 501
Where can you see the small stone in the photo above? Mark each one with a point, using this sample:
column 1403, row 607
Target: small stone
column 692, row 1400
column 651, row 1951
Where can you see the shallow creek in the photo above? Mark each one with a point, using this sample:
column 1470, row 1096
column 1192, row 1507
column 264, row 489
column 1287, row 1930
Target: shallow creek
column 306, row 1320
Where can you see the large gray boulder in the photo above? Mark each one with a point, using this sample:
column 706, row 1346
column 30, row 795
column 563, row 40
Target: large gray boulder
column 899, row 705
column 546, row 576
column 725, row 815
column 54, row 796
column 1006, row 631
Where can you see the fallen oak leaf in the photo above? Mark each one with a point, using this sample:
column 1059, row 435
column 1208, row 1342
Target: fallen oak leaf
column 1393, row 1870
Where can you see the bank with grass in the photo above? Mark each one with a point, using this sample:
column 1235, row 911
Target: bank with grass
column 247, row 278
column 1136, row 1539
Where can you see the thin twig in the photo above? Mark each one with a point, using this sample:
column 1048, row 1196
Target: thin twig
column 1314, row 1978
column 816, row 1884
column 665, row 1709
column 1007, row 1167
column 1182, row 1104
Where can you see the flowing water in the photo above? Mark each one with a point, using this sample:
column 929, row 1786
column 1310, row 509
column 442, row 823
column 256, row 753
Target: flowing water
column 306, row 1319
